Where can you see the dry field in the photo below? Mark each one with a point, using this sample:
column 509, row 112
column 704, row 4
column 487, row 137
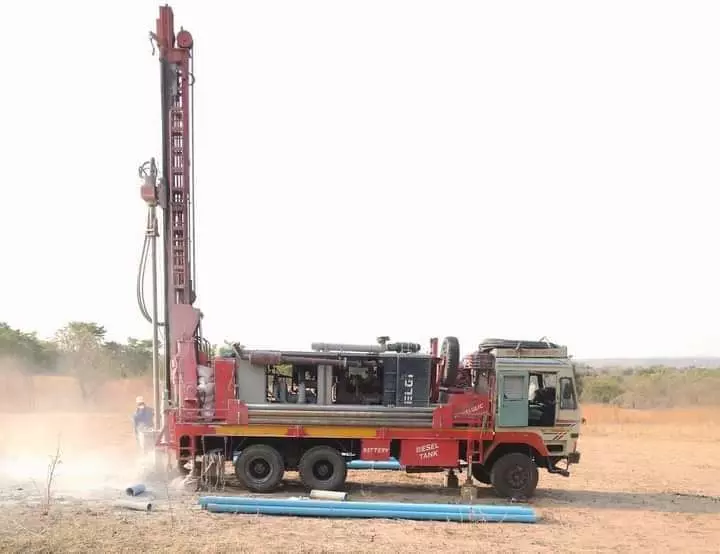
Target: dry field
column 648, row 481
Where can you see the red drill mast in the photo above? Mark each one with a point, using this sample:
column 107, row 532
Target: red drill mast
column 175, row 57
column 174, row 195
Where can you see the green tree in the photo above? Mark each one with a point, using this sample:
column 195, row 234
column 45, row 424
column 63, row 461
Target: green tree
column 80, row 349
column 80, row 336
column 35, row 354
column 84, row 355
column 130, row 359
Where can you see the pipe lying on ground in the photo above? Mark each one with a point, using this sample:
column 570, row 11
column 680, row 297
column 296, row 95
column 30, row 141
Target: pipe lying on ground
column 371, row 514
column 134, row 505
column 135, row 490
column 328, row 495
column 476, row 509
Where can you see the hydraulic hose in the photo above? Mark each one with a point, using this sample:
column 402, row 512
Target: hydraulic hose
column 140, row 285
column 140, row 292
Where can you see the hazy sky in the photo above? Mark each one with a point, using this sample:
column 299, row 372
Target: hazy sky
column 415, row 169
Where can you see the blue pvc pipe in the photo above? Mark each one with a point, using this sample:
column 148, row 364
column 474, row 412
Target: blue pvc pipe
column 368, row 506
column 370, row 514
column 364, row 464
column 390, row 464
column 135, row 490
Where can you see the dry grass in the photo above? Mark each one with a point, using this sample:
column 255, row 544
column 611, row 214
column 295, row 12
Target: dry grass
column 698, row 425
column 603, row 414
column 647, row 481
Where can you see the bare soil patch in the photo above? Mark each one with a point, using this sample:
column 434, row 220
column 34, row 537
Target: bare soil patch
column 647, row 481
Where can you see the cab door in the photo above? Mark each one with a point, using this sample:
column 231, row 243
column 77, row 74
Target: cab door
column 513, row 389
column 568, row 410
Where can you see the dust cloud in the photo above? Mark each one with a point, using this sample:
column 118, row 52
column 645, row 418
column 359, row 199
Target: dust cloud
column 44, row 417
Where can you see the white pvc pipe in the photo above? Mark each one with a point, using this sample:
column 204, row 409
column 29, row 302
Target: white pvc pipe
column 134, row 505
column 328, row 495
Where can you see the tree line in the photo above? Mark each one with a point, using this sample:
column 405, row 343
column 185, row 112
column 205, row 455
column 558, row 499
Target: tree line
column 81, row 349
column 78, row 346
column 650, row 387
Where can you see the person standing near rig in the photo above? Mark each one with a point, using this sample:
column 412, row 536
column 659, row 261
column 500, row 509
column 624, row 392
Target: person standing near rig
column 142, row 421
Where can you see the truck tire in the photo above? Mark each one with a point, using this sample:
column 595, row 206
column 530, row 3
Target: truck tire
column 514, row 475
column 322, row 468
column 481, row 474
column 450, row 351
column 260, row 468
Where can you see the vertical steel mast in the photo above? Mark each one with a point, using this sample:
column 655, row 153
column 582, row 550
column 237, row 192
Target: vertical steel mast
column 173, row 193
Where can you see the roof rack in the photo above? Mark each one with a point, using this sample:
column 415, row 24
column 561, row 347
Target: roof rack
column 507, row 348
column 490, row 344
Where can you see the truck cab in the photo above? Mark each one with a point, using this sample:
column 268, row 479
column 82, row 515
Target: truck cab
column 535, row 399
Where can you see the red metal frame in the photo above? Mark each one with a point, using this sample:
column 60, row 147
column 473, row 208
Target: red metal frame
column 175, row 51
column 468, row 416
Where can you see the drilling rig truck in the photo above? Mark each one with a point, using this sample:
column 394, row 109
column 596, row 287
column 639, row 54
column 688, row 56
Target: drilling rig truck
column 499, row 413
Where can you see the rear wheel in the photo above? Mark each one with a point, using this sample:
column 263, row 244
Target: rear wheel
column 260, row 468
column 323, row 468
column 515, row 475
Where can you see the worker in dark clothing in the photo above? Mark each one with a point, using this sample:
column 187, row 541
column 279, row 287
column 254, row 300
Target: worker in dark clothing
column 142, row 420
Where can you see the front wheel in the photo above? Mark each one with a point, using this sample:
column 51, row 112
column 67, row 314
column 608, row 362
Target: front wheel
column 323, row 468
column 514, row 475
column 260, row 468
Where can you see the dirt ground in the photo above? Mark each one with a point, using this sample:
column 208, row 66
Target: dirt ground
column 647, row 481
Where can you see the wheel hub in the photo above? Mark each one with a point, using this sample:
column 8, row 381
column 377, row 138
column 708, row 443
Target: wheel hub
column 259, row 469
column 517, row 477
column 323, row 470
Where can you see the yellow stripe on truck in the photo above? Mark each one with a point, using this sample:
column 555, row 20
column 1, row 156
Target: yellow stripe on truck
column 334, row 431
column 252, row 430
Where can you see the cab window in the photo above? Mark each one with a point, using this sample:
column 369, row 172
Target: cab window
column 567, row 394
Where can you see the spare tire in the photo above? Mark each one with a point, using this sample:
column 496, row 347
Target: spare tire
column 450, row 353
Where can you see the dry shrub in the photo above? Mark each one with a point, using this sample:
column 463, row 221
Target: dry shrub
column 49, row 481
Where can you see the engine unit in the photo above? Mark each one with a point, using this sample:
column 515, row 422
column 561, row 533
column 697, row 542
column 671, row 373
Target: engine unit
column 406, row 379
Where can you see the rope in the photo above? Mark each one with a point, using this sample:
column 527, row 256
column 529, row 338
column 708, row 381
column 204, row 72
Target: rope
column 212, row 471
